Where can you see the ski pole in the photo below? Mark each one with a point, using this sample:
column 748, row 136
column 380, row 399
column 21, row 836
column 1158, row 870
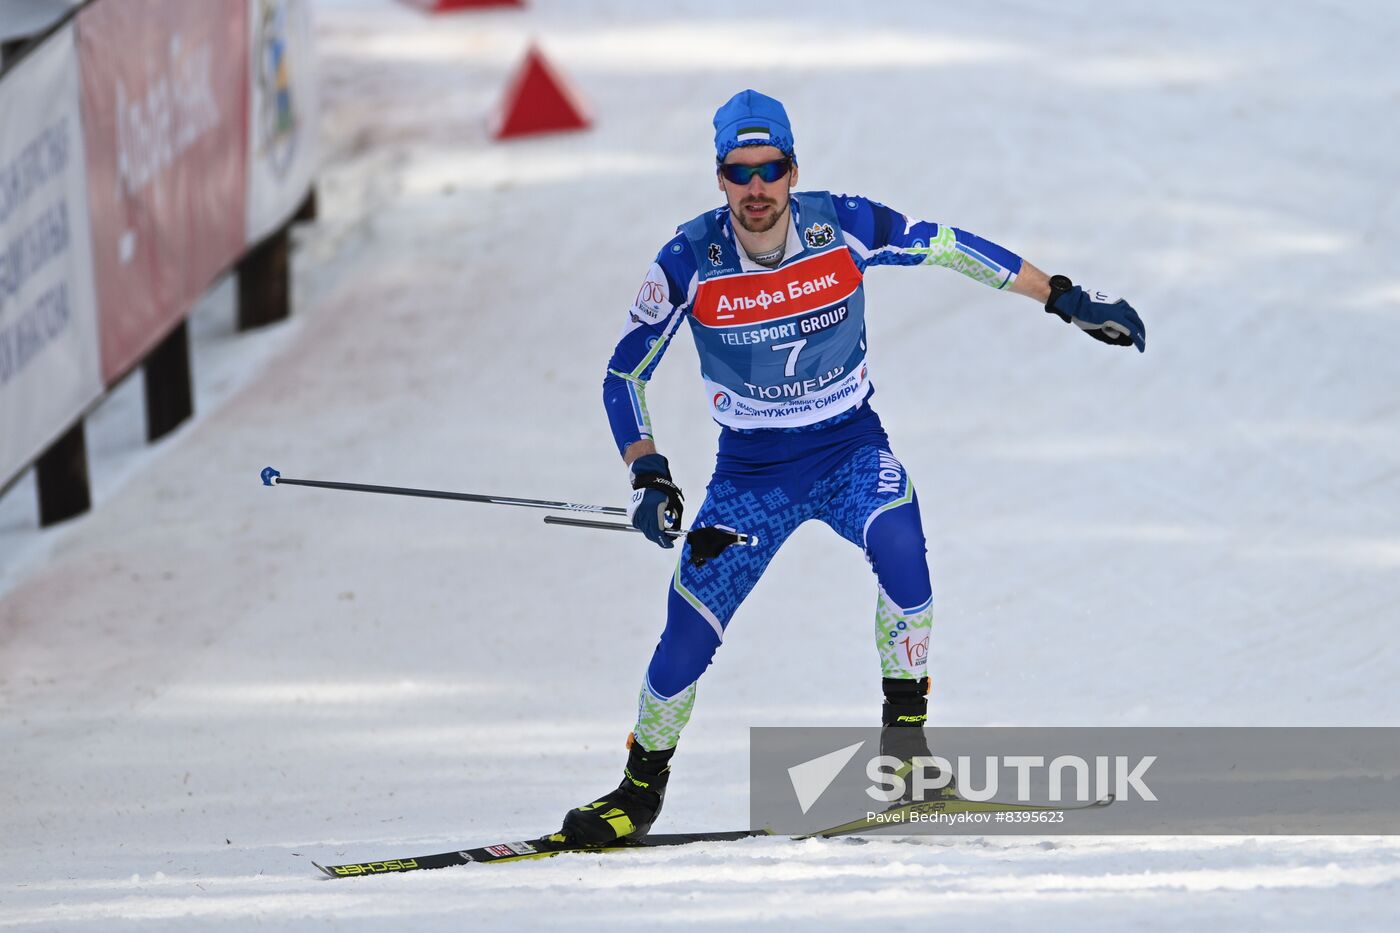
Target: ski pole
column 271, row 477
column 706, row 543
column 737, row 537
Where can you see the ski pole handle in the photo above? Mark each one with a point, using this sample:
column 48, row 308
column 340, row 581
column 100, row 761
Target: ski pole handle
column 271, row 477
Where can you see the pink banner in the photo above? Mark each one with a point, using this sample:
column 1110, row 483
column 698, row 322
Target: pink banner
column 164, row 100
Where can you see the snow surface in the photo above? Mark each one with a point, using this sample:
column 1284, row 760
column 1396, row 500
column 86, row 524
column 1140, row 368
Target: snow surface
column 206, row 683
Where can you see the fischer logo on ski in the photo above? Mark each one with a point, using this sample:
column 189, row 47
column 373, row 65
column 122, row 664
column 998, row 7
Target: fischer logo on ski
column 544, row 847
column 371, row 868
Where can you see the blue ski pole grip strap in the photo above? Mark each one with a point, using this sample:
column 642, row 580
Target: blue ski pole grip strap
column 269, row 476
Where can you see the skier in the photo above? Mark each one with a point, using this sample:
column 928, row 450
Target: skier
column 771, row 286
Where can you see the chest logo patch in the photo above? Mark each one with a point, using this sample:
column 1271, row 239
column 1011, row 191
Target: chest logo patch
column 715, row 258
column 819, row 235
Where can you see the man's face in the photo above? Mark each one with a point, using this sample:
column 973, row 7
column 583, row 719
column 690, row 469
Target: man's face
column 758, row 205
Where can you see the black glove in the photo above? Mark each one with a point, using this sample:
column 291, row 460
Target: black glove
column 1102, row 316
column 657, row 502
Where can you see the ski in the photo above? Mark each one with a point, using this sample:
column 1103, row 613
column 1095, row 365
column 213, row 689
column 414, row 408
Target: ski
column 549, row 846
column 544, row 847
column 923, row 811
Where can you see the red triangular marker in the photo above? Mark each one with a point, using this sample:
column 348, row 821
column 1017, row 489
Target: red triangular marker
column 446, row 6
column 538, row 100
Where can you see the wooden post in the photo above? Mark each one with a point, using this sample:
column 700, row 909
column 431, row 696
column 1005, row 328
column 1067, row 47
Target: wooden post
column 169, row 391
column 264, row 283
column 62, row 475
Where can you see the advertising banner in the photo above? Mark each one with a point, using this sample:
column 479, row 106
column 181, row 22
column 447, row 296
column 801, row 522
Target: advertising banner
column 164, row 101
column 282, row 107
column 49, row 368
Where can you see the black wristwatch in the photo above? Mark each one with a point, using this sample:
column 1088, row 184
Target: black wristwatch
column 1059, row 284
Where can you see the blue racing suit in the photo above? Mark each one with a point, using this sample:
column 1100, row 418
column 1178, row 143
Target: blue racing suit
column 782, row 354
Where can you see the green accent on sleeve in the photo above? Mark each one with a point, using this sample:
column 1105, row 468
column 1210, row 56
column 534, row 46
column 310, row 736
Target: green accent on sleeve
column 942, row 250
column 639, row 398
column 653, row 353
column 643, row 416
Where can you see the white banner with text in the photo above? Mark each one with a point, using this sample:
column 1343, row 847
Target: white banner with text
column 50, row 369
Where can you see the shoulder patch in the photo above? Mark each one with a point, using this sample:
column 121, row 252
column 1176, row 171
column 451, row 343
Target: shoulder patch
column 653, row 301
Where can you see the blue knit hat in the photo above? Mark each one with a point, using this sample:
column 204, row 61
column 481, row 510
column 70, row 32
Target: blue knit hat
column 751, row 119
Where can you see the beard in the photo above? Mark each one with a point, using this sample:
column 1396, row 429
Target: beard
column 763, row 224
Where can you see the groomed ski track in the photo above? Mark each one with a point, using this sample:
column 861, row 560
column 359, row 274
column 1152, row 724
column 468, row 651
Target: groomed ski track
column 205, row 684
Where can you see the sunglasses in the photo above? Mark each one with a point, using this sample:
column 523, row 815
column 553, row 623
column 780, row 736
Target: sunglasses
column 769, row 172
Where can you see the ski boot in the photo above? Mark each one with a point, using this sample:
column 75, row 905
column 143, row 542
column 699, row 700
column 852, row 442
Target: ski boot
column 629, row 811
column 903, row 717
